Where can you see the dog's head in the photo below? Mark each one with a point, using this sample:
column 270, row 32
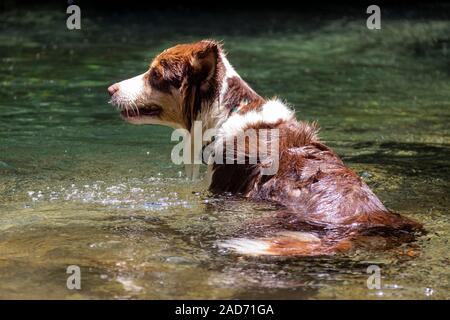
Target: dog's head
column 178, row 84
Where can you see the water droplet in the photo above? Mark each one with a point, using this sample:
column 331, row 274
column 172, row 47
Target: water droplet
column 429, row 292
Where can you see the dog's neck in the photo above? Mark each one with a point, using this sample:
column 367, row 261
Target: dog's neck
column 234, row 95
column 236, row 107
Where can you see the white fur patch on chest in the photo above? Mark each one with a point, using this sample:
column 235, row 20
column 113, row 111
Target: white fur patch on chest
column 271, row 112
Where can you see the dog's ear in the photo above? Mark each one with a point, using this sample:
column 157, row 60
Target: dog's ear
column 204, row 65
column 202, row 80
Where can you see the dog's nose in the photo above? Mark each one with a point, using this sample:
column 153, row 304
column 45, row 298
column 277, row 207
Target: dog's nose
column 113, row 89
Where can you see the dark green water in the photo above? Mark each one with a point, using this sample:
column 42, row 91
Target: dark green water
column 78, row 186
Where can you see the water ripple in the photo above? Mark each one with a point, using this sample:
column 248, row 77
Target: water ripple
column 150, row 194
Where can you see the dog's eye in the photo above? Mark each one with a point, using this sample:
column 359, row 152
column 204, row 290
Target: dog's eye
column 176, row 83
column 155, row 76
column 157, row 81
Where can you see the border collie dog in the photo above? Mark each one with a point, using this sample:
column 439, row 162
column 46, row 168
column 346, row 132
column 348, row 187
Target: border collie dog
column 325, row 207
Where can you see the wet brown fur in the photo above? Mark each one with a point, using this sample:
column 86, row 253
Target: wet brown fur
column 319, row 194
column 239, row 91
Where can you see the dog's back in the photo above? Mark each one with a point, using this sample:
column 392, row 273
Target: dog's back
column 327, row 206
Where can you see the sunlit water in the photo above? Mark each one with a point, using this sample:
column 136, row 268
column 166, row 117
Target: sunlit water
column 78, row 186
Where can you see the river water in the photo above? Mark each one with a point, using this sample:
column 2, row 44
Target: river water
column 78, row 186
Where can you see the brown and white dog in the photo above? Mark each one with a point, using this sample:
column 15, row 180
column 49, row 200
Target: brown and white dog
column 327, row 208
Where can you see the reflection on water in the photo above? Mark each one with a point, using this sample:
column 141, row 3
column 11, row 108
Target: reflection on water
column 79, row 186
